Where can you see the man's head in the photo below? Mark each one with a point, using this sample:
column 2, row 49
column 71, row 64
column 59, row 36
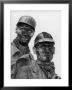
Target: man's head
column 25, row 28
column 44, row 47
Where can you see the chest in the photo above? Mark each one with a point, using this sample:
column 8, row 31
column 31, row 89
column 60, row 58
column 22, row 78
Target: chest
column 30, row 73
column 18, row 53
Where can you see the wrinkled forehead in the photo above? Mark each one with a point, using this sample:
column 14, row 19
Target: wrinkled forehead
column 45, row 44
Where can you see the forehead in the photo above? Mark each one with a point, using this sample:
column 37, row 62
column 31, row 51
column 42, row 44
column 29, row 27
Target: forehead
column 45, row 44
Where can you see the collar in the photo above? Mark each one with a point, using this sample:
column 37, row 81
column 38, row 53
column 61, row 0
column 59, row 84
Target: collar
column 21, row 48
column 48, row 68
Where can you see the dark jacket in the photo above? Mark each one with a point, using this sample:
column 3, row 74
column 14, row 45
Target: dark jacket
column 34, row 71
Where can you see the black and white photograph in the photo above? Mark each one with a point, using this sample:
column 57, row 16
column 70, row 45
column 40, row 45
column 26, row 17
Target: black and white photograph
column 36, row 38
column 23, row 63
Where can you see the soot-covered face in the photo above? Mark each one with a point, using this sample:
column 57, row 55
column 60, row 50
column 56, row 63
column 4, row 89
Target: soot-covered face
column 24, row 32
column 45, row 51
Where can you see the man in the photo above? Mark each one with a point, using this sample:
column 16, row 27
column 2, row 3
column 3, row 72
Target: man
column 25, row 29
column 43, row 67
column 44, row 49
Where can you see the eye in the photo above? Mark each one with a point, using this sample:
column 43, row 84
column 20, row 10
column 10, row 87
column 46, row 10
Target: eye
column 29, row 31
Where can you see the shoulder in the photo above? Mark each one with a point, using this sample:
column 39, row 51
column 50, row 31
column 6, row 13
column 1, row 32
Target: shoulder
column 13, row 45
column 13, row 48
column 13, row 68
column 22, row 61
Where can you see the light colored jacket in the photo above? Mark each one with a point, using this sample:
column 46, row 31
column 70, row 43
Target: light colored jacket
column 15, row 55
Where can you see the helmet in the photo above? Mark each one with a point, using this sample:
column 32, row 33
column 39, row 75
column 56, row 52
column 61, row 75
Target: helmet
column 27, row 20
column 43, row 37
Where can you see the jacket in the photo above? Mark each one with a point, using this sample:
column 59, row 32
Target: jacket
column 18, row 53
column 34, row 71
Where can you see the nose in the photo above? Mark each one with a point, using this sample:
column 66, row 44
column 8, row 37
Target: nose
column 47, row 50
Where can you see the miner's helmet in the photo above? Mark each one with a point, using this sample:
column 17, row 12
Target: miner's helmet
column 43, row 37
column 27, row 20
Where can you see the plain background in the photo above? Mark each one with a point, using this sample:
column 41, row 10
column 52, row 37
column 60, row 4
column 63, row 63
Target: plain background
column 46, row 20
column 64, row 8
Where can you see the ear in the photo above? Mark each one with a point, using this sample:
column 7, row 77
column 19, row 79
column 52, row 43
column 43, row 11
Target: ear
column 18, row 31
column 34, row 50
column 32, row 33
column 53, row 50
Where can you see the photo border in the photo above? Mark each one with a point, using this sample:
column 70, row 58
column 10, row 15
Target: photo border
column 2, row 2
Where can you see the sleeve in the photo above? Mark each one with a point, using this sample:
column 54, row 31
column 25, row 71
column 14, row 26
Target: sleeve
column 13, row 70
column 56, row 77
column 23, row 73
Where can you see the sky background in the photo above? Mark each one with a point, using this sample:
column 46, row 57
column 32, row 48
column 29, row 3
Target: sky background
column 47, row 21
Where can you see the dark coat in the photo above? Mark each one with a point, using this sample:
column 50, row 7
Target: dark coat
column 33, row 71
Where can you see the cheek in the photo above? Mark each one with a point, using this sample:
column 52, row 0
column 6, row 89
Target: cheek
column 18, row 31
column 31, row 34
column 26, row 34
column 51, row 56
column 41, row 53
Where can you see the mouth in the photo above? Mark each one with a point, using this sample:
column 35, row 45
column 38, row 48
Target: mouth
column 24, row 37
column 46, row 56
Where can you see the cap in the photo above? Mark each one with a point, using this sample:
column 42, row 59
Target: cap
column 27, row 20
column 43, row 37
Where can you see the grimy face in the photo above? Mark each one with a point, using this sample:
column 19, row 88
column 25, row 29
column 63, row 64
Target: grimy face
column 45, row 52
column 24, row 33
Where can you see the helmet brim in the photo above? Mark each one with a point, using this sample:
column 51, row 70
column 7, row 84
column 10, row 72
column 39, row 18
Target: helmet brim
column 44, row 41
column 22, row 24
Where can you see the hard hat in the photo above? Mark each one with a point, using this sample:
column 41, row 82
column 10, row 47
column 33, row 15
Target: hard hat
column 43, row 37
column 27, row 20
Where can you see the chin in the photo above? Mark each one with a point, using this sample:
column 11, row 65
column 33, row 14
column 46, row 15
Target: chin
column 47, row 59
column 25, row 41
column 44, row 59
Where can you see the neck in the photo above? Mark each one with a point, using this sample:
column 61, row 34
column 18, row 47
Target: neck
column 44, row 61
column 48, row 68
column 23, row 44
column 23, row 47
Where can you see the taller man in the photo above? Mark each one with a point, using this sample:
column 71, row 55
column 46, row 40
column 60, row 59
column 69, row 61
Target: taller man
column 25, row 29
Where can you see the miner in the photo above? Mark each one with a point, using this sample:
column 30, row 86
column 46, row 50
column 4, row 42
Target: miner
column 43, row 67
column 25, row 29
